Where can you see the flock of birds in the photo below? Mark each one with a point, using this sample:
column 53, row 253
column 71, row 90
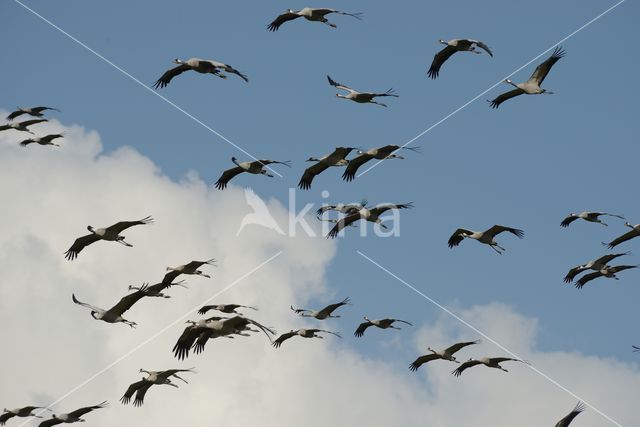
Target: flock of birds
column 198, row 332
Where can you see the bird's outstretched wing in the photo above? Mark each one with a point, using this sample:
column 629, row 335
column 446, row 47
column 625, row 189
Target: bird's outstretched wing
column 32, row 122
column 131, row 390
column 350, row 172
column 580, row 407
column 339, row 85
column 422, row 360
column 573, row 273
column 13, row 115
column 383, row 208
column 265, row 162
column 197, row 264
column 497, row 229
column 483, row 46
column 230, row 69
column 361, row 328
column 402, row 321
column 357, row 15
column 119, row 227
column 331, row 307
column 626, row 236
column 543, row 69
column 281, row 19
column 128, row 301
column 79, row 244
column 619, row 268
column 326, row 332
column 466, row 365
column 7, row 415
column 568, row 220
column 495, row 103
column 84, row 304
column 185, row 342
column 343, row 223
column 282, row 338
column 164, row 80
column 310, row 173
column 439, row 59
column 587, row 278
column 226, row 176
column 458, row 236
column 456, row 347
column 50, row 422
column 142, row 390
column 80, row 412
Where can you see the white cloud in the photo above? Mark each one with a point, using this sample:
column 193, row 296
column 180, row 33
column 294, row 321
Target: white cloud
column 50, row 345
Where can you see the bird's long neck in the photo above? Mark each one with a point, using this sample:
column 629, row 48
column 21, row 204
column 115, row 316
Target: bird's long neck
column 511, row 83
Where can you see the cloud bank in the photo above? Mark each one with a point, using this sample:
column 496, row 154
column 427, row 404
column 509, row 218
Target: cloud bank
column 51, row 345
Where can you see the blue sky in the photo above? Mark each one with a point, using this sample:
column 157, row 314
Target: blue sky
column 525, row 165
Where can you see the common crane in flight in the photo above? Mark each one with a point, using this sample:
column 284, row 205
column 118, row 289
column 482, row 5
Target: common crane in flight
column 153, row 378
column 381, row 153
column 310, row 14
column 33, row 111
column 371, row 215
column 156, row 290
column 304, row 333
column 203, row 66
column 114, row 314
column 199, row 332
column 580, row 407
column 597, row 265
column 189, row 268
column 256, row 167
column 635, row 232
column 636, row 349
column 531, row 86
column 110, row 234
column 587, row 216
column 453, row 46
column 25, row 411
column 607, row 271
column 360, row 97
column 489, row 362
column 486, row 237
column 225, row 308
column 446, row 354
column 325, row 313
column 22, row 126
column 378, row 323
column 336, row 158
column 345, row 208
column 71, row 417
column 42, row 140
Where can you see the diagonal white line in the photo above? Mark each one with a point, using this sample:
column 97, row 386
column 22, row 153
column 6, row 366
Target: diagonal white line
column 154, row 336
column 475, row 98
column 165, row 99
column 488, row 338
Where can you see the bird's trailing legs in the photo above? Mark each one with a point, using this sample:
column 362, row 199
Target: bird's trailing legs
column 122, row 242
